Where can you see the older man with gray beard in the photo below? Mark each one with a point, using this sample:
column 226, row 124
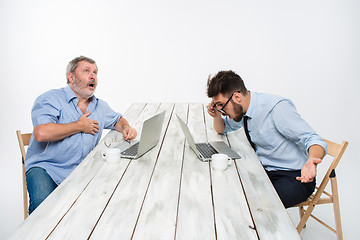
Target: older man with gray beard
column 68, row 124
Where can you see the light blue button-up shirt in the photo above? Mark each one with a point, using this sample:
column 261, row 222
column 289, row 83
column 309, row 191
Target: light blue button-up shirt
column 60, row 158
column 282, row 138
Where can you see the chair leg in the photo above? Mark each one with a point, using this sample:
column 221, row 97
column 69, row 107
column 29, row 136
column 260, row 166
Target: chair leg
column 25, row 196
column 301, row 213
column 334, row 190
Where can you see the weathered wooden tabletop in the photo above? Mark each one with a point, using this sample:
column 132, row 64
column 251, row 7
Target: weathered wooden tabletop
column 167, row 193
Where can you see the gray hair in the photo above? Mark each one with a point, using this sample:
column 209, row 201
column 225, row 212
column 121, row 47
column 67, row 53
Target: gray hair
column 71, row 67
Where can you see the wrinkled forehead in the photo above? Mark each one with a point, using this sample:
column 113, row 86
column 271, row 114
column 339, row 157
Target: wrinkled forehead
column 85, row 64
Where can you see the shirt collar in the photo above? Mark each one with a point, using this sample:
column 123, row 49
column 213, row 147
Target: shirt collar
column 251, row 109
column 70, row 95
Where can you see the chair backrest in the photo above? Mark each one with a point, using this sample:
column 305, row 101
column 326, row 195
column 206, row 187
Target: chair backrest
column 335, row 150
column 24, row 140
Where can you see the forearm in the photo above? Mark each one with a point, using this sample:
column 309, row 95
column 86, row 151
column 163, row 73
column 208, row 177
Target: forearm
column 219, row 124
column 121, row 125
column 316, row 151
column 54, row 131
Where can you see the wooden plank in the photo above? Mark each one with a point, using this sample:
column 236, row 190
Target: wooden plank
column 120, row 216
column 46, row 217
column 195, row 217
column 82, row 217
column 269, row 215
column 157, row 219
column 232, row 214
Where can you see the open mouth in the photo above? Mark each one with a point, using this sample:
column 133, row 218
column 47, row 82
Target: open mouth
column 91, row 85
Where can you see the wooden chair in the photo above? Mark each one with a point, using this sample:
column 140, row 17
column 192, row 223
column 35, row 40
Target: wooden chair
column 24, row 140
column 335, row 150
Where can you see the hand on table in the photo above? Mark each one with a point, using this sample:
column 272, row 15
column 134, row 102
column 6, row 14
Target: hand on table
column 129, row 133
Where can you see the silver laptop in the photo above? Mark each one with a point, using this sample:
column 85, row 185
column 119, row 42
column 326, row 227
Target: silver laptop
column 149, row 138
column 204, row 150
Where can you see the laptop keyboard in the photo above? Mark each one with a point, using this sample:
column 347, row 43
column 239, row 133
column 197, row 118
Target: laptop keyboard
column 205, row 149
column 131, row 151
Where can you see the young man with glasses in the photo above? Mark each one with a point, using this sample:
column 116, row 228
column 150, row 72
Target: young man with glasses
column 288, row 148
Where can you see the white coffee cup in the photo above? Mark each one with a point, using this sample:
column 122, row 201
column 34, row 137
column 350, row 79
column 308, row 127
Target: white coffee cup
column 220, row 161
column 111, row 155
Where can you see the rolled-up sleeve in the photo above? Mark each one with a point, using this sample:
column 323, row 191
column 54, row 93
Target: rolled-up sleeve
column 231, row 125
column 44, row 111
column 290, row 124
column 109, row 115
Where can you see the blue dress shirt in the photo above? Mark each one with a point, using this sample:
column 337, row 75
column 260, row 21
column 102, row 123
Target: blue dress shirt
column 60, row 158
column 282, row 138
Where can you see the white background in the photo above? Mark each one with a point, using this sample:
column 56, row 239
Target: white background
column 163, row 51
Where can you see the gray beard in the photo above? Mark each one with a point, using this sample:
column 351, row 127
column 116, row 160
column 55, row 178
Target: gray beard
column 79, row 88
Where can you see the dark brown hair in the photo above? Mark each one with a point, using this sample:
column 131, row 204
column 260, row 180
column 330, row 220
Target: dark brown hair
column 226, row 83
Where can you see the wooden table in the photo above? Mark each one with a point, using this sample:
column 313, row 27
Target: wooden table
column 167, row 193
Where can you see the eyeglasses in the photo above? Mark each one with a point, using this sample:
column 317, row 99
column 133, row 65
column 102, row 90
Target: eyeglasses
column 221, row 110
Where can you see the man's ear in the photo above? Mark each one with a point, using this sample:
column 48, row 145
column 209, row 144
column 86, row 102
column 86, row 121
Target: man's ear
column 237, row 97
column 70, row 77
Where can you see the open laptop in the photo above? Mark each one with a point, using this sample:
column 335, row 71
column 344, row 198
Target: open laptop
column 204, row 150
column 150, row 136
